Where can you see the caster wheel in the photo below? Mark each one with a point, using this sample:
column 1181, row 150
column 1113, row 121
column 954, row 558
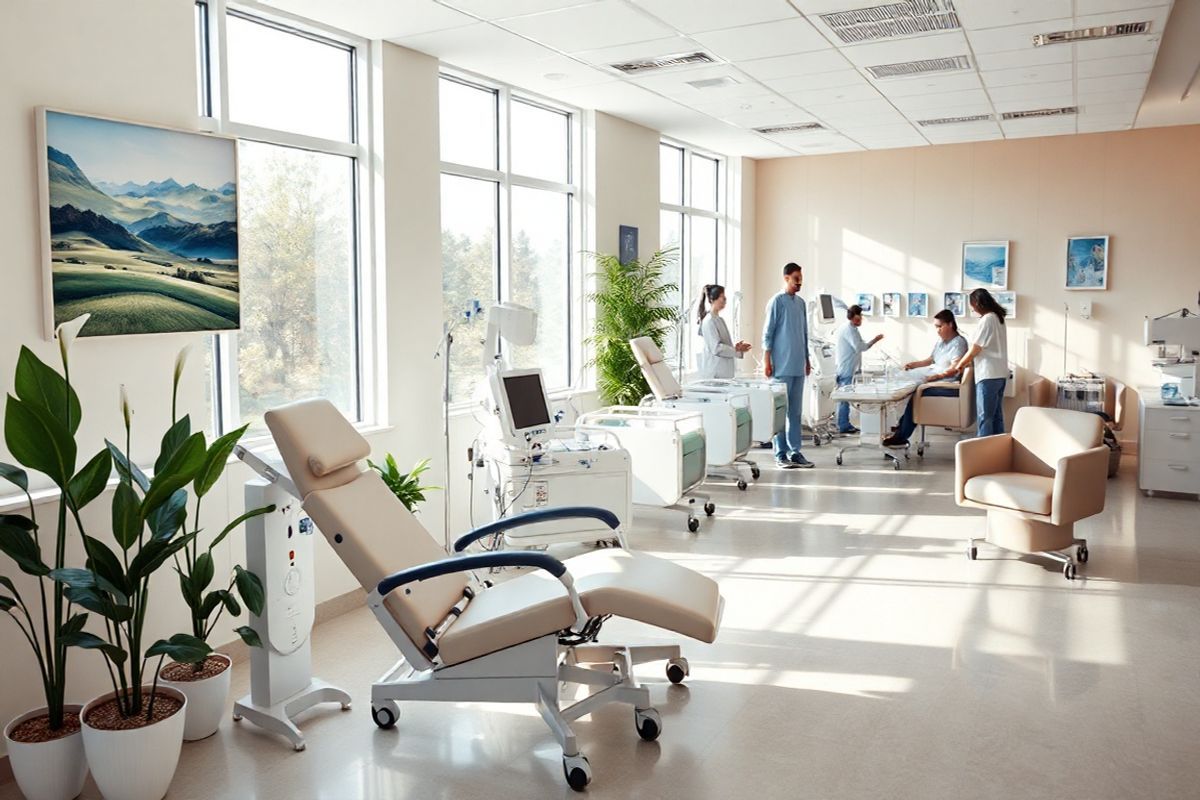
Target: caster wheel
column 299, row 748
column 385, row 715
column 755, row 473
column 578, row 772
column 972, row 552
column 1069, row 571
column 920, row 452
column 648, row 723
column 839, row 461
column 816, row 441
column 677, row 670
column 693, row 524
column 237, row 717
column 1082, row 555
column 742, row 485
column 345, row 706
column 709, row 509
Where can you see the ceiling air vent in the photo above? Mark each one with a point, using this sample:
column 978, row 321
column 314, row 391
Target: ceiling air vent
column 929, row 65
column 953, row 120
column 1039, row 112
column 1087, row 34
column 663, row 62
column 892, row 20
column 795, row 128
column 713, row 83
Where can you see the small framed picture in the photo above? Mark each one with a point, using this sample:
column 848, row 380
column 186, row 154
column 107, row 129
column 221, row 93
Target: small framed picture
column 918, row 304
column 984, row 265
column 956, row 302
column 1008, row 301
column 867, row 303
column 628, row 244
column 1087, row 263
column 893, row 304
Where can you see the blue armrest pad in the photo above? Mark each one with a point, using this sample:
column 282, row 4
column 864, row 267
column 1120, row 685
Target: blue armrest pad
column 536, row 516
column 446, row 566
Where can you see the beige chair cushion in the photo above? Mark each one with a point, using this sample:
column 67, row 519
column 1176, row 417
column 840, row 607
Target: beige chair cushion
column 947, row 412
column 1042, row 436
column 650, row 358
column 511, row 612
column 1014, row 490
column 319, row 446
column 378, row 536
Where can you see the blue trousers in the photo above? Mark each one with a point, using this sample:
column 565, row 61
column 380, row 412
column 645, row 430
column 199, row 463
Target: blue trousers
column 906, row 427
column 789, row 440
column 989, row 406
column 843, row 409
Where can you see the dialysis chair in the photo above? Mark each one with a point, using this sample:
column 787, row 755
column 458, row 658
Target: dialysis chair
column 464, row 640
column 726, row 412
column 956, row 413
column 1036, row 482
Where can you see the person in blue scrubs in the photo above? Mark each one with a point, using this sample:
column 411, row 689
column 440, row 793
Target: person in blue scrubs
column 785, row 345
column 850, row 347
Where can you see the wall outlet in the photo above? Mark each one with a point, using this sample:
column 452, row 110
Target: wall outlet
column 1085, row 309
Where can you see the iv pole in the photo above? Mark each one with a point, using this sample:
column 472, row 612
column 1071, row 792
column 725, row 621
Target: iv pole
column 472, row 310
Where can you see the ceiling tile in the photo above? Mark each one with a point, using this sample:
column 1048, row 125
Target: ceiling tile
column 1015, row 37
column 765, row 40
column 1114, row 83
column 1026, row 56
column 378, row 19
column 671, row 45
column 949, row 111
column 818, row 80
column 762, row 119
column 1146, row 45
column 979, row 14
column 588, row 27
column 1085, row 7
column 1032, row 91
column 861, row 91
column 490, row 9
column 1046, row 73
column 915, row 48
column 697, row 16
column 548, row 75
column 1109, row 109
column 1124, row 65
column 800, row 64
column 940, row 99
column 1100, row 127
column 964, row 132
column 1119, row 96
column 733, row 105
column 678, row 84
column 1033, row 103
column 476, row 45
column 928, row 84
column 1155, row 13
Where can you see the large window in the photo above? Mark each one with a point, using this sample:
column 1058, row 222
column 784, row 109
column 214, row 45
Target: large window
column 508, row 212
column 291, row 96
column 691, row 219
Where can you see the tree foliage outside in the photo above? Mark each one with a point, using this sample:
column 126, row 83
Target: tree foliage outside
column 632, row 300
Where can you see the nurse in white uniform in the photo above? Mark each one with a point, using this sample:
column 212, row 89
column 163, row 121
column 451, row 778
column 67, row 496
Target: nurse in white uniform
column 719, row 352
column 990, row 354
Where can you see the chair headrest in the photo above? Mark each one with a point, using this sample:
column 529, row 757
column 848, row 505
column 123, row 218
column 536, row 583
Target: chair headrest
column 319, row 446
column 1048, row 434
column 646, row 351
column 655, row 367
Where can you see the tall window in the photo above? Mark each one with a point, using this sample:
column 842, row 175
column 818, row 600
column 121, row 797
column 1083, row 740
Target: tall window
column 508, row 222
column 692, row 221
column 290, row 95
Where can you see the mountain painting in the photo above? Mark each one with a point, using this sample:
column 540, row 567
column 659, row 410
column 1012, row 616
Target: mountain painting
column 142, row 226
column 984, row 265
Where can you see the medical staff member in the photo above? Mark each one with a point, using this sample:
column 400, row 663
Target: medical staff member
column 850, row 347
column 950, row 347
column 990, row 355
column 785, row 350
column 717, row 358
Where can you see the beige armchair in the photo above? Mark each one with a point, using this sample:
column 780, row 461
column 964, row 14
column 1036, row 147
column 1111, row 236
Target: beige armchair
column 957, row 413
column 1036, row 482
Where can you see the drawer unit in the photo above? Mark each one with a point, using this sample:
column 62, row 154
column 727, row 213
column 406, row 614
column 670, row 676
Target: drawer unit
column 1181, row 418
column 1168, row 447
column 1172, row 445
column 1169, row 476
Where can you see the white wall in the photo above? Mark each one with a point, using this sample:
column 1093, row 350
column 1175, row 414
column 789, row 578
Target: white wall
column 624, row 182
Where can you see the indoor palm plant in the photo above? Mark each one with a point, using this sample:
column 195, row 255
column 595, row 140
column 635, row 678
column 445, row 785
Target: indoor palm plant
column 405, row 485
column 631, row 301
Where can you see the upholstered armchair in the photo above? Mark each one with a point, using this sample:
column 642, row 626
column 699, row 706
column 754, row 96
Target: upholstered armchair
column 957, row 413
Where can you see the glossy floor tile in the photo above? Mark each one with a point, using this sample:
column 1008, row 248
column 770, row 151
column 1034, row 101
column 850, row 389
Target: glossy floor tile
column 861, row 655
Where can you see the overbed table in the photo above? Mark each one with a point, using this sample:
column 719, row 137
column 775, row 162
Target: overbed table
column 876, row 396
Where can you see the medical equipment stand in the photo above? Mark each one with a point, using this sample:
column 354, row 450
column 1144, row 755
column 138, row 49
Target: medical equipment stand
column 279, row 550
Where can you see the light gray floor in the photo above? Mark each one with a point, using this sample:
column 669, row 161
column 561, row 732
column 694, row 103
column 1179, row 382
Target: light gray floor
column 861, row 655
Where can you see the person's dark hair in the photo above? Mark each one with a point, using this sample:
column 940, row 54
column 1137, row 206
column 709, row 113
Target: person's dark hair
column 711, row 293
column 853, row 311
column 983, row 302
column 947, row 316
column 791, row 267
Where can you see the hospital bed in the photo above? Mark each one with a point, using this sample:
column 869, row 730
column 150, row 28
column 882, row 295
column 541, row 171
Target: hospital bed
column 464, row 640
column 768, row 403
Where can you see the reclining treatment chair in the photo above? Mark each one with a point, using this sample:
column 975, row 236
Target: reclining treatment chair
column 957, row 413
column 468, row 641
column 726, row 412
column 1036, row 482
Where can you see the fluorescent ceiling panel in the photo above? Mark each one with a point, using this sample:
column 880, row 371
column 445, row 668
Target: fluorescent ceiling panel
column 765, row 40
column 698, row 16
column 595, row 25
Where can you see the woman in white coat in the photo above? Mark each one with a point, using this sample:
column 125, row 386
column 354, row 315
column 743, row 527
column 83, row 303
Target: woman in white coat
column 717, row 357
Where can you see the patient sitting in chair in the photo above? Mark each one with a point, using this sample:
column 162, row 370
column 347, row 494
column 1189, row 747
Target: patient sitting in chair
column 950, row 347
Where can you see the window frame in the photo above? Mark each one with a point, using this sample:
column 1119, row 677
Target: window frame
column 506, row 180
column 370, row 405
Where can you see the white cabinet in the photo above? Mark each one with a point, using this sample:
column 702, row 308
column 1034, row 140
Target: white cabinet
column 1168, row 446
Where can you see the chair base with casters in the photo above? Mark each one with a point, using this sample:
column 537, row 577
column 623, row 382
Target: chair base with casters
column 1031, row 536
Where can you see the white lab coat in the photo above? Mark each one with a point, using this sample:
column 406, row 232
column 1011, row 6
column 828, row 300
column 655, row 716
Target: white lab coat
column 716, row 359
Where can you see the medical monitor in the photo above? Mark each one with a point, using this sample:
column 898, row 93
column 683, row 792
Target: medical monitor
column 827, row 310
column 523, row 405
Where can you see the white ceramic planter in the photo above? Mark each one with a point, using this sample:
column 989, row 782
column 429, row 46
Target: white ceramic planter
column 47, row 770
column 205, row 701
column 137, row 764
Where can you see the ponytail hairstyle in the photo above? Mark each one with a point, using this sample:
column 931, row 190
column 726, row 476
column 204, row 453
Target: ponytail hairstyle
column 709, row 294
column 984, row 303
column 946, row 317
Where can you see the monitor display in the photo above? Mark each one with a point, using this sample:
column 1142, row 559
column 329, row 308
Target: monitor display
column 526, row 401
column 827, row 314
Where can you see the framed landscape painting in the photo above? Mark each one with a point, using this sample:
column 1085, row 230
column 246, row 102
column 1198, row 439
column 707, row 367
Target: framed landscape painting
column 892, row 304
column 141, row 226
column 1008, row 301
column 955, row 302
column 984, row 265
column 1087, row 262
column 867, row 303
column 918, row 304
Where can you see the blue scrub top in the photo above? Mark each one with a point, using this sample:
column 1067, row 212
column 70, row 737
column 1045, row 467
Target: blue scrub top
column 785, row 334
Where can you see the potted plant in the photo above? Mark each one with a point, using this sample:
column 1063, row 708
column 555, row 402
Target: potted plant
column 631, row 301
column 132, row 735
column 406, row 486
column 206, row 681
column 45, row 747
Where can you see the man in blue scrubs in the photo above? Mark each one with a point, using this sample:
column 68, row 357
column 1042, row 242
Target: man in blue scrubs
column 785, row 343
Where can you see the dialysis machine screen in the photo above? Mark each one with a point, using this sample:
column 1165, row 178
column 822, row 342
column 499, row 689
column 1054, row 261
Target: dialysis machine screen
column 526, row 401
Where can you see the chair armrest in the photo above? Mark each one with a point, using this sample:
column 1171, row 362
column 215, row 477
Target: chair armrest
column 534, row 517
column 938, row 385
column 447, row 566
column 1079, row 483
column 982, row 456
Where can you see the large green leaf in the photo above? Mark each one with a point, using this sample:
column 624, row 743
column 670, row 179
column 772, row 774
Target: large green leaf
column 126, row 516
column 172, row 440
column 249, row 635
column 215, row 460
column 39, row 441
column 104, row 563
column 202, row 572
column 248, row 515
column 127, row 472
column 90, row 481
column 231, row 604
column 6, row 603
column 210, row 603
column 90, row 641
column 91, row 599
column 153, row 554
column 169, row 517
column 7, row 584
column 40, row 385
column 251, row 589
column 73, row 626
column 20, row 545
column 71, row 576
column 182, row 647
column 180, row 468
column 17, row 521
column 15, row 475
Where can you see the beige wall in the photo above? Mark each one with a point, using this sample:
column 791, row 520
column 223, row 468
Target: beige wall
column 624, row 182
column 894, row 220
